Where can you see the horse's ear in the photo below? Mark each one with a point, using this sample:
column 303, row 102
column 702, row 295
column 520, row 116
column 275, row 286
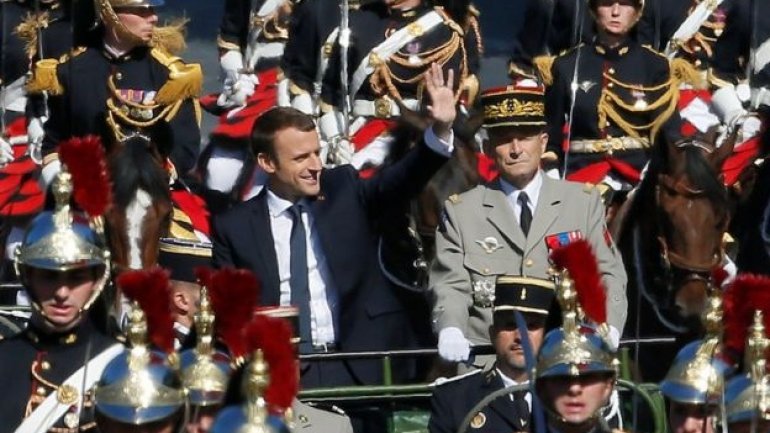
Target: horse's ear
column 722, row 152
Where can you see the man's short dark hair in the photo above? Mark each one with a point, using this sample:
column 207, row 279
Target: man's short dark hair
column 274, row 120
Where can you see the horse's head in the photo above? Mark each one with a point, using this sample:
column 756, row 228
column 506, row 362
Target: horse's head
column 693, row 215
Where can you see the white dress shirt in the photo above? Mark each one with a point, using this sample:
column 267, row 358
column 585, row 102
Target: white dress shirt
column 533, row 193
column 319, row 278
column 507, row 381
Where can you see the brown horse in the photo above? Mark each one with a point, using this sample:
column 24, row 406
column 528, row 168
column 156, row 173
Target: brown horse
column 671, row 240
column 140, row 215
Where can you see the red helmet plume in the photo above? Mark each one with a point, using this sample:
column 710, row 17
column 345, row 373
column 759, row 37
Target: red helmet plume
column 86, row 162
column 234, row 294
column 579, row 260
column 150, row 288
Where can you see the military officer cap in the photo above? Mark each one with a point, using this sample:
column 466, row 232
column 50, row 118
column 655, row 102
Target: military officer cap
column 521, row 104
column 524, row 294
column 181, row 257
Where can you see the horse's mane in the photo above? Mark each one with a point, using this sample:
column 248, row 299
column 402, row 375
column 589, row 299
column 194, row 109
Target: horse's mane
column 134, row 167
column 703, row 177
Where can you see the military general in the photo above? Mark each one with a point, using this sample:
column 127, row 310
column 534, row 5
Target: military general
column 509, row 225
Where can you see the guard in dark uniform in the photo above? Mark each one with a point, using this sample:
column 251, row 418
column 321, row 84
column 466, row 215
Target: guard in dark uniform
column 531, row 297
column 621, row 98
column 49, row 368
column 390, row 50
column 576, row 369
column 31, row 29
column 124, row 82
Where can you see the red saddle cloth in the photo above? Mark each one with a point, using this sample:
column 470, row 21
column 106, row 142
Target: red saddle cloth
column 20, row 194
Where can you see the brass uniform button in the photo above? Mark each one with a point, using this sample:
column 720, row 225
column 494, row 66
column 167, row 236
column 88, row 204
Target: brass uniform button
column 118, row 76
column 485, row 270
column 45, row 365
column 529, row 263
column 40, row 391
column 611, row 71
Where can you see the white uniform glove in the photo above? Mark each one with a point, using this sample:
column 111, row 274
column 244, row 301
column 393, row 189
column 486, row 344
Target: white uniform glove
column 237, row 86
column 35, row 134
column 452, row 345
column 6, row 152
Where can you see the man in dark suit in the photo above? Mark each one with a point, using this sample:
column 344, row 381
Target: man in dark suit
column 328, row 265
column 532, row 297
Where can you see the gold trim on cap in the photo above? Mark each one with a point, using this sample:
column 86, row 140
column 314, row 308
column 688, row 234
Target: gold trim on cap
column 189, row 248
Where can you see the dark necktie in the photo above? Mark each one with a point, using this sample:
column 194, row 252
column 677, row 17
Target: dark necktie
column 298, row 280
column 521, row 408
column 525, row 219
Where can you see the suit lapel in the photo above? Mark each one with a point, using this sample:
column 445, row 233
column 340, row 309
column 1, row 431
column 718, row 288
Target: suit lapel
column 547, row 210
column 262, row 233
column 500, row 215
column 503, row 405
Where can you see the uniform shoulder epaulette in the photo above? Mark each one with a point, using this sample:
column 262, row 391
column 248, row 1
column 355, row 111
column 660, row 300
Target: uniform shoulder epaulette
column 445, row 380
column 184, row 80
column 45, row 78
column 685, row 72
column 454, row 198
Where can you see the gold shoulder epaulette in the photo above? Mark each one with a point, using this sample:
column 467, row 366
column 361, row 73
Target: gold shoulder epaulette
column 45, row 78
column 454, row 198
column 29, row 29
column 184, row 80
column 544, row 64
column 569, row 50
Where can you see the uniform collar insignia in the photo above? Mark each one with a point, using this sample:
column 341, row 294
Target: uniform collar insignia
column 489, row 244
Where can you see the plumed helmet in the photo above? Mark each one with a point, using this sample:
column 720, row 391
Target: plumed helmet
column 205, row 370
column 62, row 240
column 580, row 346
column 697, row 374
column 142, row 385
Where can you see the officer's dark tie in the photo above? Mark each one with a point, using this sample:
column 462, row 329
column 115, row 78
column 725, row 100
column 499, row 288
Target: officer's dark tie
column 525, row 218
column 521, row 408
column 298, row 280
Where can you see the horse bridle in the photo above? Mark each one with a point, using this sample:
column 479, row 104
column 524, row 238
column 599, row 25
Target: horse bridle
column 679, row 265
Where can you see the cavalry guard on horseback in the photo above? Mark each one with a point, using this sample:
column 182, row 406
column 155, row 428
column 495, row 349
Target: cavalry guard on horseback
column 31, row 30
column 388, row 53
column 609, row 101
column 123, row 83
column 49, row 368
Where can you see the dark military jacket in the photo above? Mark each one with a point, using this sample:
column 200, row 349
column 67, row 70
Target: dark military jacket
column 453, row 400
column 613, row 81
column 732, row 51
column 35, row 363
column 370, row 27
column 79, row 89
column 240, row 18
column 312, row 22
